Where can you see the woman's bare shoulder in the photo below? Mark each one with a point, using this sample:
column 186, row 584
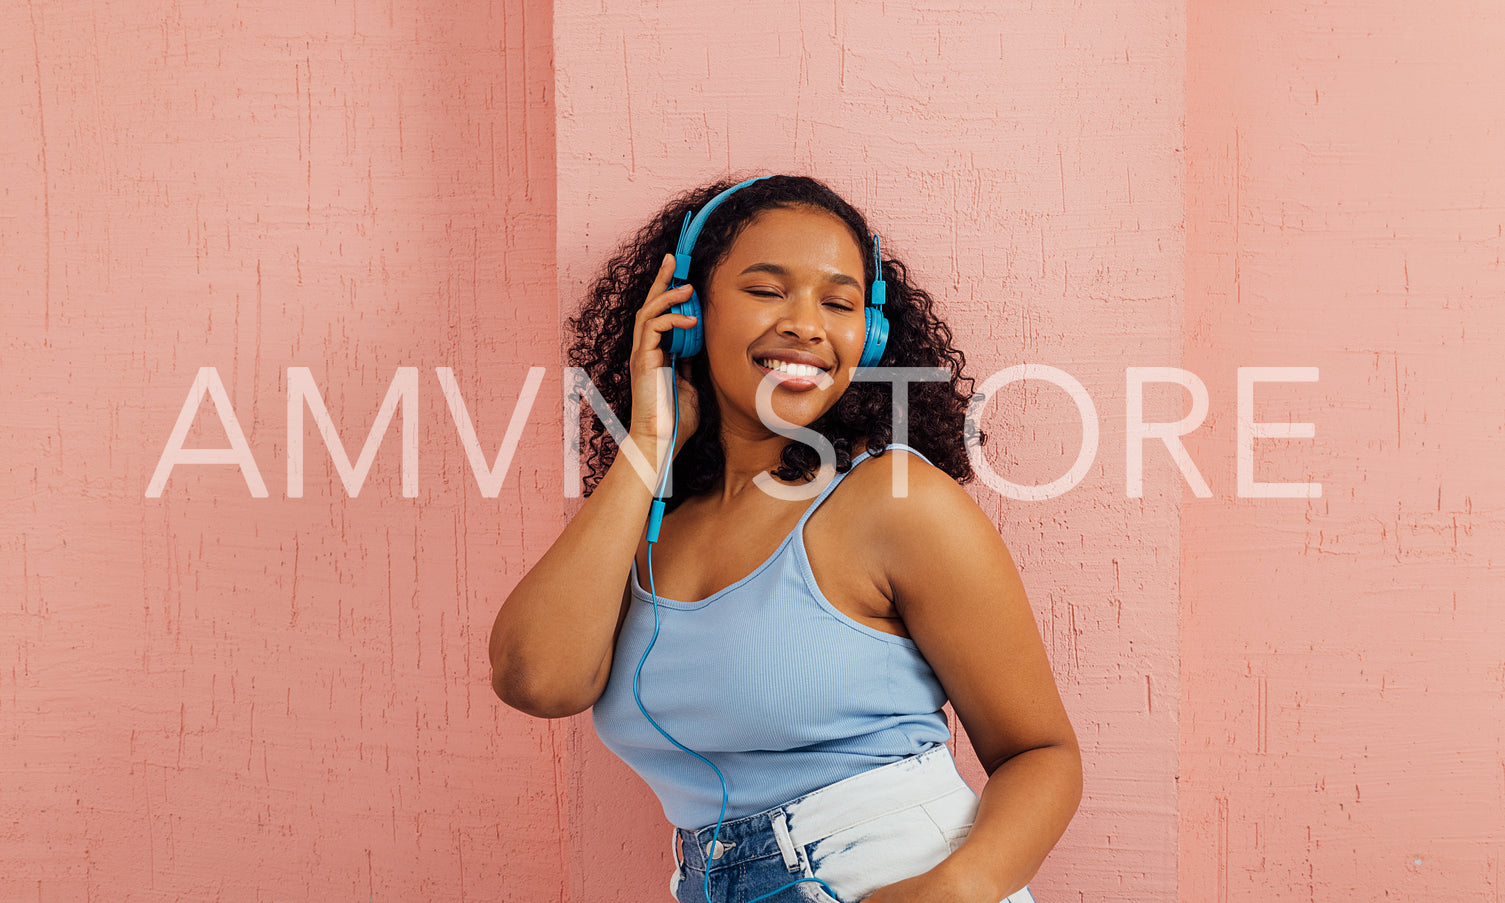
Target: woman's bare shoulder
column 903, row 479
column 907, row 504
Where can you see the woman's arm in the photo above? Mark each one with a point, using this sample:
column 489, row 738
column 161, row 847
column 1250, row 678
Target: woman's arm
column 552, row 642
column 551, row 645
column 960, row 597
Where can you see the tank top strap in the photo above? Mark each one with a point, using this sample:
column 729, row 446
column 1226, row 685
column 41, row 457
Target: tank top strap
column 820, row 499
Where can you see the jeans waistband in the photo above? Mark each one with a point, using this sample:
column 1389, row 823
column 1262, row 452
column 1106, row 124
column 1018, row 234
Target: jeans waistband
column 910, row 781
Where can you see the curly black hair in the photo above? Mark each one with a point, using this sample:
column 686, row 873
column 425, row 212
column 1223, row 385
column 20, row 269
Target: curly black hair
column 601, row 342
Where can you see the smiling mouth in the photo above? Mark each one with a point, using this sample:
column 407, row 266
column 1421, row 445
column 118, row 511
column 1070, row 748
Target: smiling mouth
column 795, row 377
column 806, row 371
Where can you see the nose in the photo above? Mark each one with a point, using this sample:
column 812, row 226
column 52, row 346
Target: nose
column 803, row 318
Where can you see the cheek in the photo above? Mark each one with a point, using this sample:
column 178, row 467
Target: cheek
column 852, row 340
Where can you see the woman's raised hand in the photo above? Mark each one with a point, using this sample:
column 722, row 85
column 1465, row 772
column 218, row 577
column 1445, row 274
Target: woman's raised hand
column 652, row 412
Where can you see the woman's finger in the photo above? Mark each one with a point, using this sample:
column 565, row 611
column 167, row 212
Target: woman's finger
column 660, row 288
column 664, row 323
column 665, row 273
column 650, row 330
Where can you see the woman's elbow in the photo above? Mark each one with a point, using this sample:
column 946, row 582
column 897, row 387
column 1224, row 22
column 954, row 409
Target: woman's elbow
column 538, row 698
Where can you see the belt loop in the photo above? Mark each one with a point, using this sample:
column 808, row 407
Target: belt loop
column 786, row 845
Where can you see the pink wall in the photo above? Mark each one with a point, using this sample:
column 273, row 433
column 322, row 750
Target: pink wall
column 1343, row 658
column 210, row 696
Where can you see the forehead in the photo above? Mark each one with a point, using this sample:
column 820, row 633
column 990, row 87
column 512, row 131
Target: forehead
column 805, row 236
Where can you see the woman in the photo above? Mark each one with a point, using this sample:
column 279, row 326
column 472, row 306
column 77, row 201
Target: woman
column 789, row 717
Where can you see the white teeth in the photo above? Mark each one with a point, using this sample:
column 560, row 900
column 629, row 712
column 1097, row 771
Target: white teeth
column 791, row 368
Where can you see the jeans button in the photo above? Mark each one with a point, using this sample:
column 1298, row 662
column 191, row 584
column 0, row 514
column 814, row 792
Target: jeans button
column 716, row 849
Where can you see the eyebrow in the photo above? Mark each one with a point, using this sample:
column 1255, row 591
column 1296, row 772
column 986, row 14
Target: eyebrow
column 776, row 270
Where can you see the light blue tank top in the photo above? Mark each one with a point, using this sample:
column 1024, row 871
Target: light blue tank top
column 770, row 681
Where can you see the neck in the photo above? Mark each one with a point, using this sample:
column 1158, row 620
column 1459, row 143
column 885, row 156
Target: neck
column 746, row 456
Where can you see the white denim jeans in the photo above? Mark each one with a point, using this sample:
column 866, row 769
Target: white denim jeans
column 857, row 835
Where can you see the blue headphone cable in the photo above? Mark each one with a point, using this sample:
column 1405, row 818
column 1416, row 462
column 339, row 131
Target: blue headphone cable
column 655, row 517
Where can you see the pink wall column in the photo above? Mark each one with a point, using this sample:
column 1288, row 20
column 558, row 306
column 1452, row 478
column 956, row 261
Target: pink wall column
column 1343, row 671
column 1025, row 159
column 207, row 695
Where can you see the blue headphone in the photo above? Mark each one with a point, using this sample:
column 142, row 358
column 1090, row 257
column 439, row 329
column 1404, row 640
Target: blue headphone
column 689, row 342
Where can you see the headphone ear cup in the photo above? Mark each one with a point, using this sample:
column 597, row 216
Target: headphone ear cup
column 877, row 337
column 686, row 342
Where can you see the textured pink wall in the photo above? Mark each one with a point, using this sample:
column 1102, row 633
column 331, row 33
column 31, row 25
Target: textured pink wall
column 208, row 696
column 1026, row 159
column 1343, row 658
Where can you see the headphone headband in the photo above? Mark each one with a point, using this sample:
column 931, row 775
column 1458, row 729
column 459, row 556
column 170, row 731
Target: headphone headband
column 690, row 232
